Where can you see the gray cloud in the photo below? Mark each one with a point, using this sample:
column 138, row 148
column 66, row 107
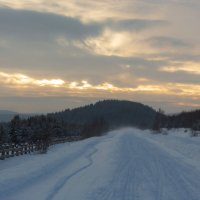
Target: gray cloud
column 43, row 104
column 162, row 41
column 136, row 24
column 31, row 40
column 43, row 45
column 23, row 24
column 29, row 24
column 47, row 104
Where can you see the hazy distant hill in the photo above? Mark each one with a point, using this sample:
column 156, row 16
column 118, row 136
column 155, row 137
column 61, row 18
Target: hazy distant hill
column 7, row 112
column 115, row 112
column 6, row 115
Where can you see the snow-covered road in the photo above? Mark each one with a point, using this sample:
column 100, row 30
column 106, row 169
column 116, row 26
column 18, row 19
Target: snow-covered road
column 127, row 164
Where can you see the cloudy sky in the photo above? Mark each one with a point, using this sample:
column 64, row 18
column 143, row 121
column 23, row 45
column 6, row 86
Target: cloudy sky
column 67, row 53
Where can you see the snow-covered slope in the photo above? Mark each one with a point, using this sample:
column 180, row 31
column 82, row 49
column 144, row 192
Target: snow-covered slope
column 127, row 164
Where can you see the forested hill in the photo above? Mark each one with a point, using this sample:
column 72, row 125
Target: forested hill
column 116, row 113
column 87, row 121
column 92, row 120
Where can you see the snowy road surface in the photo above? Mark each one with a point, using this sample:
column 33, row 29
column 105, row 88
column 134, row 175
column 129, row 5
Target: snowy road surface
column 127, row 164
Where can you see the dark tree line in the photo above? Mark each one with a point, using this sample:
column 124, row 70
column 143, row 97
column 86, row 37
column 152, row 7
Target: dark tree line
column 182, row 120
column 95, row 128
column 93, row 120
column 158, row 121
column 45, row 128
column 86, row 121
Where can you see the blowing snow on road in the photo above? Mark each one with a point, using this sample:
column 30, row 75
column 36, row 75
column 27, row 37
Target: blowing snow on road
column 127, row 164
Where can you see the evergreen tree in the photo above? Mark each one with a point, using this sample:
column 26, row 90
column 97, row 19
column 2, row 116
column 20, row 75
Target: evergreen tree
column 196, row 128
column 14, row 129
column 159, row 118
column 3, row 136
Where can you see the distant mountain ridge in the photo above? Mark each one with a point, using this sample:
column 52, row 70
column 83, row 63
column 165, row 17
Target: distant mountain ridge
column 7, row 112
column 117, row 113
column 7, row 115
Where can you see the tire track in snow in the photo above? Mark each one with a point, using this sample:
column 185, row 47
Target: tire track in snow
column 62, row 182
column 138, row 170
column 21, row 184
column 122, row 185
column 146, row 171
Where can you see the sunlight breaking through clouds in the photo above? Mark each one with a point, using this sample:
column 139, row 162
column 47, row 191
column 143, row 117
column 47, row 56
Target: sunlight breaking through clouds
column 117, row 43
column 18, row 81
column 132, row 49
column 21, row 79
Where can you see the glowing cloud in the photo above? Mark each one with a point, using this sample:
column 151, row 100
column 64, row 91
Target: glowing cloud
column 117, row 43
column 21, row 79
column 60, row 86
column 182, row 104
column 107, row 48
column 52, row 82
column 188, row 67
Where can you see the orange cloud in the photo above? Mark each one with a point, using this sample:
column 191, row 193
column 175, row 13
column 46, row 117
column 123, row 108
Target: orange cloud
column 21, row 79
column 188, row 67
column 182, row 104
column 44, row 86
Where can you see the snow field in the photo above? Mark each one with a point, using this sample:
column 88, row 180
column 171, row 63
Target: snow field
column 127, row 164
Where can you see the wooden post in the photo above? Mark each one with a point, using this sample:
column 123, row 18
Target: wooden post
column 6, row 151
column 17, row 151
column 2, row 154
column 25, row 149
column 22, row 150
column 13, row 151
column 31, row 147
